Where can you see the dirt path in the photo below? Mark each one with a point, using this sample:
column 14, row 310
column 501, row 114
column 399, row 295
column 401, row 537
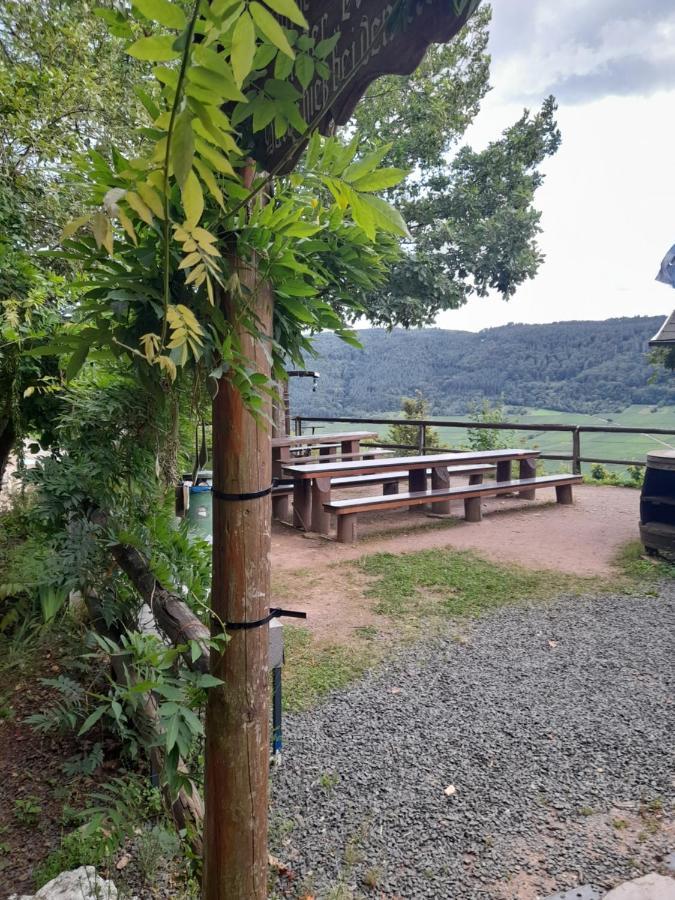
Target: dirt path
column 582, row 539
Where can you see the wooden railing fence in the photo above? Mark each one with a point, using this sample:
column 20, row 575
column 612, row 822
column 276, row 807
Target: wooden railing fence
column 575, row 457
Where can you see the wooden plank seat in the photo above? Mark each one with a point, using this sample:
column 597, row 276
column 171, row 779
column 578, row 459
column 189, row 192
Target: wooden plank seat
column 347, row 510
column 309, row 448
column 364, row 453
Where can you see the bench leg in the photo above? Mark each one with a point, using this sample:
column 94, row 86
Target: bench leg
column 302, row 504
column 472, row 510
column 563, row 493
column 390, row 487
column 320, row 495
column 476, row 478
column 346, row 528
column 417, row 480
column 528, row 469
column 281, row 507
column 440, row 480
column 504, row 470
column 350, row 447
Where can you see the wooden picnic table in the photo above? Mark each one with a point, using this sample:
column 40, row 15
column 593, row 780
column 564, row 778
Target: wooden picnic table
column 312, row 483
column 349, row 442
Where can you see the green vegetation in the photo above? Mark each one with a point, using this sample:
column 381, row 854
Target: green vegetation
column 449, row 583
column 416, row 407
column 579, row 367
column 312, row 671
column 642, row 569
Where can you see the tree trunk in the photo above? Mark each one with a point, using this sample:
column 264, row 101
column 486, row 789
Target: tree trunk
column 237, row 713
column 7, row 439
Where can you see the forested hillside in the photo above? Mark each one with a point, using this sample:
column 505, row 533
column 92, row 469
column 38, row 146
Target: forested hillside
column 570, row 366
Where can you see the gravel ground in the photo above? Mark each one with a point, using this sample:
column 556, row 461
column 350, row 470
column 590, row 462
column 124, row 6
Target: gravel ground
column 532, row 756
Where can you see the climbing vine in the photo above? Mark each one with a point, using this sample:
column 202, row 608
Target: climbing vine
column 156, row 245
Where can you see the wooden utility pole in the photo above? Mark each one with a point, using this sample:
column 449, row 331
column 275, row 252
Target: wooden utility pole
column 237, row 713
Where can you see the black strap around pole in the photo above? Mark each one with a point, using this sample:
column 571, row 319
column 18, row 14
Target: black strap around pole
column 274, row 613
column 250, row 495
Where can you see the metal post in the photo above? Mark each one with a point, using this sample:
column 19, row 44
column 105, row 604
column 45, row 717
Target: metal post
column 576, row 451
column 276, row 713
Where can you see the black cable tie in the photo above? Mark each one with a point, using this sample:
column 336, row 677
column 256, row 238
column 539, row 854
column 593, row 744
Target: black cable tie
column 275, row 613
column 251, row 495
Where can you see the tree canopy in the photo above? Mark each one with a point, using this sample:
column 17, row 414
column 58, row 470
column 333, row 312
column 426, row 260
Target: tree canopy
column 471, row 216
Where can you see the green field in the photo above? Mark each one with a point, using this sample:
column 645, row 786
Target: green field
column 606, row 446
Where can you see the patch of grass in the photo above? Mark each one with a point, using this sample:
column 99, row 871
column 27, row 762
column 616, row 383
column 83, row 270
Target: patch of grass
column 366, row 632
column 328, row 780
column 636, row 564
column 457, row 583
column 77, row 849
column 312, row 671
column 27, row 811
column 372, row 877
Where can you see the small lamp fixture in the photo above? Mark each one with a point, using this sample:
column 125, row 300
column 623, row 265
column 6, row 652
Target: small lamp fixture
column 665, row 336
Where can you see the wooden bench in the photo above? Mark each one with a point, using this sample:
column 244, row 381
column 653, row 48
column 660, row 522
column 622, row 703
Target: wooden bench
column 388, row 480
column 347, row 510
column 307, row 449
column 364, row 453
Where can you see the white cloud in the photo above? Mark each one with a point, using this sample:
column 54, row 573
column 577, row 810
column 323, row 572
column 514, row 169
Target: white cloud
column 608, row 202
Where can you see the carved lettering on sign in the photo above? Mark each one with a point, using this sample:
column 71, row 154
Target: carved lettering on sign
column 377, row 37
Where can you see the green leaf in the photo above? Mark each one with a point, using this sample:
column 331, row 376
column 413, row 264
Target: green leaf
column 264, row 56
column 183, row 146
column 151, row 198
column 243, row 47
column 208, row 681
column 147, row 101
column 116, row 22
column 70, row 229
column 138, row 207
column 325, row 47
column 161, row 11
column 165, row 75
column 193, row 199
column 219, row 162
column 366, row 165
column 379, row 180
column 224, row 87
column 102, row 228
column 296, row 288
column 157, row 48
column 209, row 180
column 297, row 309
column 91, row 720
column 76, row 361
column 304, row 70
column 271, row 28
column 263, row 112
column 289, row 9
column 362, row 214
column 386, row 216
column 283, row 66
column 172, row 732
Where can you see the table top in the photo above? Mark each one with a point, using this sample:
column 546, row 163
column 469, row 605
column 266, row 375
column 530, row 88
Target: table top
column 409, row 463
column 292, row 440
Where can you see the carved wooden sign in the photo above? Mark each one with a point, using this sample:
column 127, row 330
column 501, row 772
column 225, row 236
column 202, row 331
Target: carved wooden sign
column 377, row 37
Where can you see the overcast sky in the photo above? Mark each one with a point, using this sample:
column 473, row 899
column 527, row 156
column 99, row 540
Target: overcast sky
column 608, row 201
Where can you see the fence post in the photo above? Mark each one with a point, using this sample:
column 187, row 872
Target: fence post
column 576, row 451
column 298, row 425
column 421, row 439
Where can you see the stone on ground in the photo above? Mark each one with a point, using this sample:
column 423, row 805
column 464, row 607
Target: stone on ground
column 79, row 884
column 649, row 887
